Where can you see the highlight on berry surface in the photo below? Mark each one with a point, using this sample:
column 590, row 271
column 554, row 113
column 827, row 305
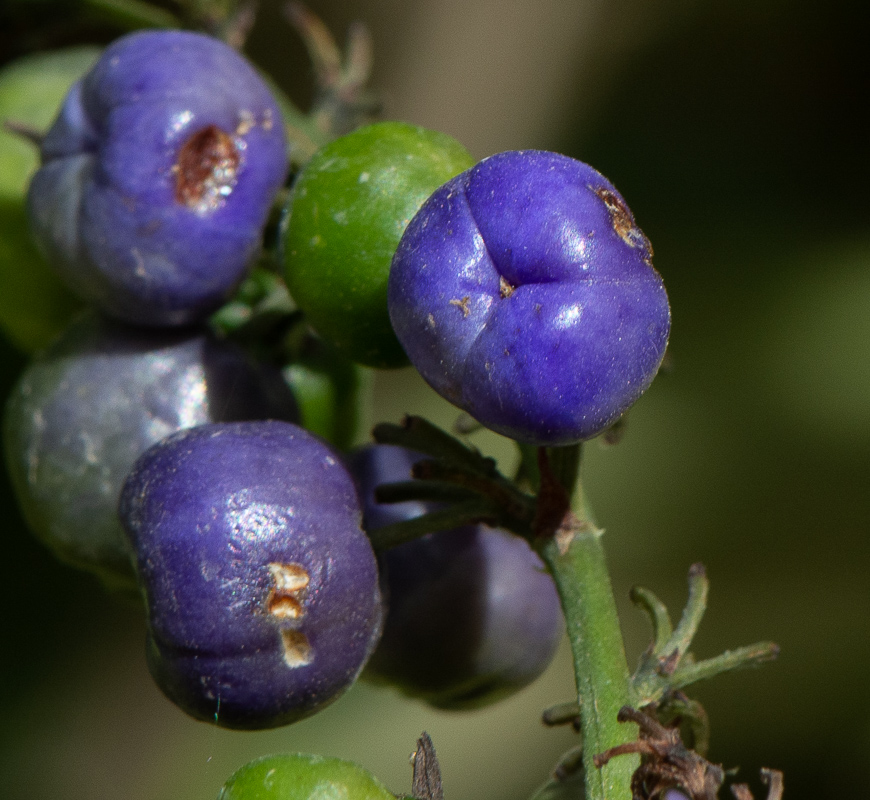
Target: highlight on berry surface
column 524, row 293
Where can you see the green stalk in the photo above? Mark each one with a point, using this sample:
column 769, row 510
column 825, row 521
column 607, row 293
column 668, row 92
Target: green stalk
column 576, row 559
column 133, row 14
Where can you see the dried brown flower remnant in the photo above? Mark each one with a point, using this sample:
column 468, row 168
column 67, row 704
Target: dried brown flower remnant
column 667, row 764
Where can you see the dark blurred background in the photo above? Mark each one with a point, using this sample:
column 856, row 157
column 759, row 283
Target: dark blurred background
column 738, row 131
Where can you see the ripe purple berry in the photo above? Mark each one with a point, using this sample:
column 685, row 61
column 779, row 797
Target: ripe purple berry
column 157, row 177
column 261, row 588
column 472, row 614
column 102, row 394
column 524, row 292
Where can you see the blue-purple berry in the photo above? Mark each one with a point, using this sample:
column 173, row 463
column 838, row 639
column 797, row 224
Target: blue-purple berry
column 473, row 616
column 157, row 177
column 87, row 408
column 260, row 586
column 524, row 292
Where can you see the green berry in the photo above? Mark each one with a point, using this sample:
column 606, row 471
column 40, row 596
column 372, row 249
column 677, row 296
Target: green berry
column 34, row 303
column 346, row 214
column 298, row 776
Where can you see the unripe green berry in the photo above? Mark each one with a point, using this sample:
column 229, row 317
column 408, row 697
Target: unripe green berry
column 298, row 776
column 347, row 212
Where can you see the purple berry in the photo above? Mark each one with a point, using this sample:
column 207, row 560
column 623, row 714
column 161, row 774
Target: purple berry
column 85, row 410
column 472, row 614
column 524, row 292
column 157, row 177
column 261, row 588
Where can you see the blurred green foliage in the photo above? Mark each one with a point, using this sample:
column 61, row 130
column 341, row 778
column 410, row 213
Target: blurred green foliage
column 742, row 139
column 34, row 304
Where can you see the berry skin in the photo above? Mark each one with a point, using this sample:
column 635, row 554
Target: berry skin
column 343, row 223
column 298, row 776
column 86, row 409
column 157, row 177
column 524, row 293
column 261, row 589
column 35, row 305
column 472, row 614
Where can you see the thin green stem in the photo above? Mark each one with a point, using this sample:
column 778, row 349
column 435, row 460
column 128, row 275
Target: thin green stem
column 576, row 559
column 681, row 639
column 133, row 14
column 464, row 513
column 658, row 614
column 748, row 656
column 414, row 490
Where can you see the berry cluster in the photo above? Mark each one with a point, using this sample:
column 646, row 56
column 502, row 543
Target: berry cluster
column 146, row 447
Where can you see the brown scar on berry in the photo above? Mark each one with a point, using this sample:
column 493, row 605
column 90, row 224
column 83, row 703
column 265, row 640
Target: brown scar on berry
column 289, row 578
column 504, row 287
column 462, row 305
column 285, row 603
column 206, row 168
column 289, row 588
column 285, row 607
column 297, row 649
column 622, row 221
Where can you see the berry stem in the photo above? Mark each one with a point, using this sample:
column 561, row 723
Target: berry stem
column 575, row 556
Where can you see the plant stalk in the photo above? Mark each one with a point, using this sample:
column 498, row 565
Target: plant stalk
column 133, row 14
column 576, row 560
